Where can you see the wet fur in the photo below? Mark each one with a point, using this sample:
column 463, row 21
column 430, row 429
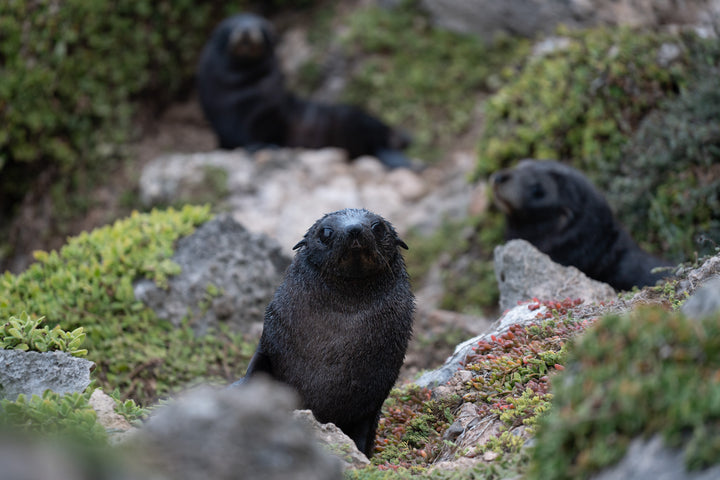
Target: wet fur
column 338, row 327
column 554, row 207
column 243, row 96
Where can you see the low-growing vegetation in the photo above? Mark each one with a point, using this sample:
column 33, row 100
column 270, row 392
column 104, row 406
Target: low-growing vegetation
column 649, row 372
column 88, row 284
column 420, row 76
column 22, row 333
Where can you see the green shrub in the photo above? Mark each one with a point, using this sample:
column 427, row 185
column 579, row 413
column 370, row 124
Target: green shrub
column 579, row 103
column 23, row 334
column 668, row 193
column 630, row 377
column 89, row 284
column 71, row 73
column 54, row 415
column 424, row 78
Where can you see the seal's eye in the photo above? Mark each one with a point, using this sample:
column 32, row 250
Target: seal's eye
column 326, row 234
column 536, row 191
column 378, row 228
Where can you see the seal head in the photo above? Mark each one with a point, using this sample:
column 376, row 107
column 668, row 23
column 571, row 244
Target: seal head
column 351, row 244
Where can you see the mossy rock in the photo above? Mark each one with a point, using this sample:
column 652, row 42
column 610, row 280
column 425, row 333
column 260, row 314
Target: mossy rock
column 629, row 376
column 582, row 101
column 89, row 284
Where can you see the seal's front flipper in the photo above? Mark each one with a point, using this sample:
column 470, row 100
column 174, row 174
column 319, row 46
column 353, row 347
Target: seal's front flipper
column 259, row 363
column 394, row 159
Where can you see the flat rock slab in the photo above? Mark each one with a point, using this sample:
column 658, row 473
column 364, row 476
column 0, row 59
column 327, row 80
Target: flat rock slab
column 31, row 373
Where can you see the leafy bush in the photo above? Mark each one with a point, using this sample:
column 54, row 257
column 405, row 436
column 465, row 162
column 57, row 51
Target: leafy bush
column 89, row 284
column 424, row 78
column 582, row 102
column 23, row 334
column 71, row 72
column 54, row 415
column 630, row 377
column 668, row 193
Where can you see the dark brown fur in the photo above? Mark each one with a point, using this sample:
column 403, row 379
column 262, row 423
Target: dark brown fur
column 554, row 207
column 243, row 95
column 338, row 326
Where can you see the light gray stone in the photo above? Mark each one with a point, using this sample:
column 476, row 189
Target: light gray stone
column 650, row 459
column 242, row 432
column 523, row 273
column 31, row 373
column 334, row 440
column 490, row 18
column 221, row 254
column 705, row 301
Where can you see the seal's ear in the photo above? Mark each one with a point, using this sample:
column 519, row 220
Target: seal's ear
column 402, row 244
column 301, row 243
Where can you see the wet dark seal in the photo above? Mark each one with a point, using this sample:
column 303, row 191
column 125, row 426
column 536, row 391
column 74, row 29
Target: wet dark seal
column 338, row 326
column 554, row 207
column 243, row 95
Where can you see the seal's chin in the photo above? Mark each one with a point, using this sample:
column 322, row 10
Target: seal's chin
column 506, row 207
column 358, row 263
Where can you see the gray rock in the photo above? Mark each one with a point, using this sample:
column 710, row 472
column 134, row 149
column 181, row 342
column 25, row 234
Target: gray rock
column 705, row 301
column 521, row 315
column 244, row 432
column 31, row 373
column 489, row 18
column 650, row 459
column 523, row 273
column 334, row 440
column 221, row 254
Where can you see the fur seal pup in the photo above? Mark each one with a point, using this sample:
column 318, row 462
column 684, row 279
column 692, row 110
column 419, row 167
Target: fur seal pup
column 338, row 326
column 242, row 92
column 557, row 209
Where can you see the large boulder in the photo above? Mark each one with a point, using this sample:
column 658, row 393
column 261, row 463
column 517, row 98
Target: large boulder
column 281, row 192
column 228, row 277
column 246, row 432
column 489, row 18
column 523, row 273
column 31, row 373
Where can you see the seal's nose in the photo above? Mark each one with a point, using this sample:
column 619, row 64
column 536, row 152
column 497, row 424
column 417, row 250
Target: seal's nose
column 354, row 230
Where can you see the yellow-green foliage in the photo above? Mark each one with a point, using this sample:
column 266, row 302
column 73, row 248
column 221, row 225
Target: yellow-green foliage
column 579, row 103
column 628, row 377
column 423, row 78
column 54, row 415
column 23, row 334
column 89, row 284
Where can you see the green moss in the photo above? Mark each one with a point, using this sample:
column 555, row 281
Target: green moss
column 631, row 376
column 89, row 284
column 424, row 78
